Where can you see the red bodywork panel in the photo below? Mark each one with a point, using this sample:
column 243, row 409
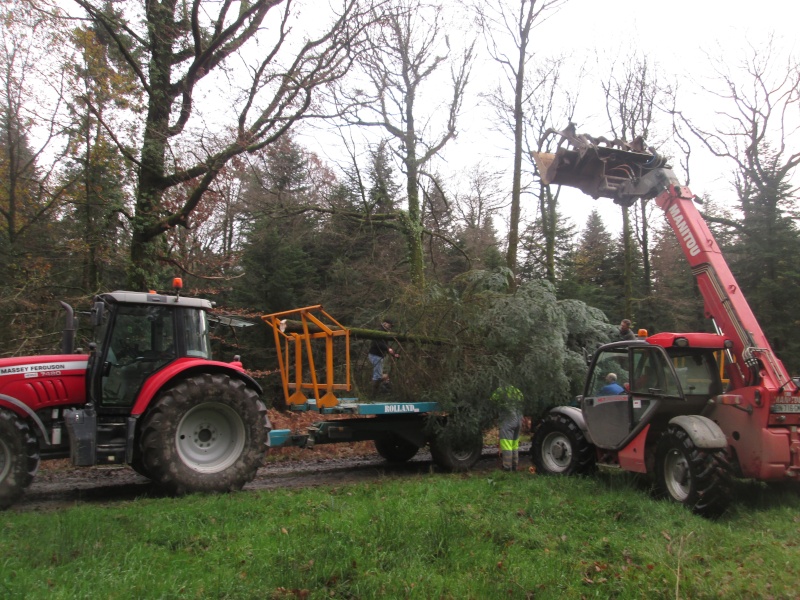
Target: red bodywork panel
column 711, row 341
column 159, row 379
column 44, row 381
column 632, row 456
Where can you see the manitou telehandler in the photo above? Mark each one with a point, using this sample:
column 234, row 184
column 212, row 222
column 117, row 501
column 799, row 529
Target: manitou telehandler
column 672, row 415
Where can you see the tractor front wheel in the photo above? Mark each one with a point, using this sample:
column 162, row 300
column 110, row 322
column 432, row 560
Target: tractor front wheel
column 19, row 457
column 560, row 448
column 207, row 433
column 698, row 478
column 395, row 449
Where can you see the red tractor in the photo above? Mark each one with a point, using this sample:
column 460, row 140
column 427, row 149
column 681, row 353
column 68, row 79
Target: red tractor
column 670, row 414
column 147, row 394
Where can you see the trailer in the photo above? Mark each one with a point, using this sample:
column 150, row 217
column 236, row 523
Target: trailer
column 306, row 341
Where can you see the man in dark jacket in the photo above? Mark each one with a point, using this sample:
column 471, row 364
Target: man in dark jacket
column 625, row 331
column 377, row 352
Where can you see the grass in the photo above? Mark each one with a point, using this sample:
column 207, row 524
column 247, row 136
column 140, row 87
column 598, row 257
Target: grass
column 479, row 535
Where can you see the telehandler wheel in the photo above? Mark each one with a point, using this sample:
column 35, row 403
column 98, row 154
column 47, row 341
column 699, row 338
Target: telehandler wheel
column 698, row 478
column 560, row 448
column 457, row 453
column 395, row 449
column 19, row 457
column 207, row 433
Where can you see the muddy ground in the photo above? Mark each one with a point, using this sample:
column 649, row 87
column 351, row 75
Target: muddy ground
column 59, row 485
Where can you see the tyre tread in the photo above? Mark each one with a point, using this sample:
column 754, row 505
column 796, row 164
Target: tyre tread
column 24, row 449
column 158, row 455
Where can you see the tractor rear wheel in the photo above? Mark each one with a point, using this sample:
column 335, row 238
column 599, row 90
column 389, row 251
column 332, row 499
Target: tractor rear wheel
column 457, row 453
column 19, row 457
column 395, row 449
column 698, row 478
column 207, row 433
column 560, row 448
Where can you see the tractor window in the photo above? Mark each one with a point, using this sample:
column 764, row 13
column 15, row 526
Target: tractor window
column 195, row 325
column 611, row 361
column 697, row 372
column 652, row 374
column 142, row 341
column 142, row 331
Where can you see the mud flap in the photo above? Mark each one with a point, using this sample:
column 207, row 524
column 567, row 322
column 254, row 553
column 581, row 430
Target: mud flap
column 703, row 432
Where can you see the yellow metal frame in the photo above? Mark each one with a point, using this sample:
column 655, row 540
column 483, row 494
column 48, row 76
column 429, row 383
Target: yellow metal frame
column 300, row 344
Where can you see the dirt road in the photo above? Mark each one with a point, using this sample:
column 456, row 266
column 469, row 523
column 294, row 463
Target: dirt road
column 61, row 485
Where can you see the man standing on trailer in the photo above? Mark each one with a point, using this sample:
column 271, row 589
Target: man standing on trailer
column 377, row 352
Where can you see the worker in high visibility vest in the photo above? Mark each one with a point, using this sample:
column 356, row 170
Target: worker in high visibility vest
column 508, row 401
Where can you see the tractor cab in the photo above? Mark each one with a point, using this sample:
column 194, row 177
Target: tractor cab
column 655, row 379
column 138, row 334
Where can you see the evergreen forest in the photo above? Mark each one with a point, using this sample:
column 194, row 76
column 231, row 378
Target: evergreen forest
column 274, row 156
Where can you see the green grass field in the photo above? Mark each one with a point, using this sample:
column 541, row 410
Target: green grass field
column 481, row 535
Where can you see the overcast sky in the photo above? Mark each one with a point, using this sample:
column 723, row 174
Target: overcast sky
column 678, row 36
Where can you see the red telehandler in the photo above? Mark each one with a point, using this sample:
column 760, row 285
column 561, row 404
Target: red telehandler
column 147, row 394
column 672, row 415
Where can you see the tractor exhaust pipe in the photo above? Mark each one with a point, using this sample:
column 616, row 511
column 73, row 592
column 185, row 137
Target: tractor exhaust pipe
column 68, row 335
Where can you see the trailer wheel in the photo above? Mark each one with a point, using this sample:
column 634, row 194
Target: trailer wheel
column 207, row 433
column 19, row 457
column 560, row 448
column 395, row 449
column 457, row 453
column 698, row 478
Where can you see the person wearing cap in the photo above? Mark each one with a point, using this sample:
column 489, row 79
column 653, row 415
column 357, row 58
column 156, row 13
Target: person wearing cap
column 611, row 388
column 378, row 351
column 508, row 401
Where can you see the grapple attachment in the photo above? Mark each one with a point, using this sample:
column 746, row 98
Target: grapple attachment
column 598, row 167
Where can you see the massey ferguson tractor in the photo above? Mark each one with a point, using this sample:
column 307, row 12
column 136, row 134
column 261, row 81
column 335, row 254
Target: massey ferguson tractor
column 147, row 394
column 671, row 414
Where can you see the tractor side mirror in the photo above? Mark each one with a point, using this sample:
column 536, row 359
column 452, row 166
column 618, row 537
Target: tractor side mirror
column 97, row 313
column 587, row 356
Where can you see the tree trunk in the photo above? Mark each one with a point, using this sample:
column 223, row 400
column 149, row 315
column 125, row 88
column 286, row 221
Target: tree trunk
column 645, row 248
column 627, row 272
column 416, row 257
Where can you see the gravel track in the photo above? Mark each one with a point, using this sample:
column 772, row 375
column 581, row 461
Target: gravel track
column 60, row 486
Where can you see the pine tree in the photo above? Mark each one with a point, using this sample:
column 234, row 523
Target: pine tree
column 594, row 275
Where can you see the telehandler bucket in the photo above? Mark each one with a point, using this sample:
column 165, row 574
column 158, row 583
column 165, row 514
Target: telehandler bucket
column 597, row 170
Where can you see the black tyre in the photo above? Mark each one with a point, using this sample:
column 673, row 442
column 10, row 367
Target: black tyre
column 19, row 457
column 698, row 478
column 205, row 434
column 138, row 465
column 395, row 449
column 457, row 453
column 559, row 447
